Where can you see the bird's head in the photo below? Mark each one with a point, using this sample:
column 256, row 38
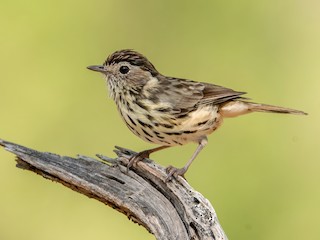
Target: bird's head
column 126, row 68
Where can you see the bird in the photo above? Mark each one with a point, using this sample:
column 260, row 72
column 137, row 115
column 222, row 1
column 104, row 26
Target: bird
column 170, row 111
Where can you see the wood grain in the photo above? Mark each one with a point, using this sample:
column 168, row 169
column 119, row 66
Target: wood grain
column 172, row 210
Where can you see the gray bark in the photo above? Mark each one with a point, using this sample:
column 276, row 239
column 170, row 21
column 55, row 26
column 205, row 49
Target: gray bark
column 172, row 210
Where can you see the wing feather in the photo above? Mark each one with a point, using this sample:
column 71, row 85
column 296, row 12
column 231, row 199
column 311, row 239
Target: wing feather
column 214, row 94
column 184, row 95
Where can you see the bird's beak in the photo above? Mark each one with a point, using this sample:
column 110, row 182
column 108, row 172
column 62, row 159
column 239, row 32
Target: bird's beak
column 97, row 68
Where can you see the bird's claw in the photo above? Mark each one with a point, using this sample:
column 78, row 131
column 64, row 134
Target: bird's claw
column 174, row 172
column 136, row 158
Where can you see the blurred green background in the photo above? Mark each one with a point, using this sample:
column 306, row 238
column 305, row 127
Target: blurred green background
column 261, row 171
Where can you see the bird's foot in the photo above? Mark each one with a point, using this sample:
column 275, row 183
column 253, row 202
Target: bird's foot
column 175, row 172
column 137, row 157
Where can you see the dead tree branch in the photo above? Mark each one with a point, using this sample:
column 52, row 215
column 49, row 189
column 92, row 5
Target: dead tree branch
column 170, row 210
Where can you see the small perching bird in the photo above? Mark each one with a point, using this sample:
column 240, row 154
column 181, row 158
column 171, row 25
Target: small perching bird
column 171, row 111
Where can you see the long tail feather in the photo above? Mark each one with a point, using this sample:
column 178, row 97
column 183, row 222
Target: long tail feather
column 237, row 108
column 256, row 107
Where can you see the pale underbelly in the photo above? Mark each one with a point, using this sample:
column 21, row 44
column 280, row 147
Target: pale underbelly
column 163, row 130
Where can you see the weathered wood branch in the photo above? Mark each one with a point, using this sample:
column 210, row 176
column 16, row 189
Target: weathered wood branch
column 170, row 210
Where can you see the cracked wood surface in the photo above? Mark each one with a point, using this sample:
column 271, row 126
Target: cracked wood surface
column 172, row 210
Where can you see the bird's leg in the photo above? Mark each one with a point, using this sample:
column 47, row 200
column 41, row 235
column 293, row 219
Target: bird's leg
column 172, row 171
column 142, row 155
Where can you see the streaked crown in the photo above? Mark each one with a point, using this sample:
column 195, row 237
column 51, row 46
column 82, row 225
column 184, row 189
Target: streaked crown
column 132, row 57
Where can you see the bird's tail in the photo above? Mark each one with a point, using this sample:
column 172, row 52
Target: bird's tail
column 236, row 108
column 257, row 107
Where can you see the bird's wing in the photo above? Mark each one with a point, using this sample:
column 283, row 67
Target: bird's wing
column 184, row 95
column 180, row 93
column 214, row 94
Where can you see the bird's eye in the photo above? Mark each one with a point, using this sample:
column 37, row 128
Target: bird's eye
column 124, row 69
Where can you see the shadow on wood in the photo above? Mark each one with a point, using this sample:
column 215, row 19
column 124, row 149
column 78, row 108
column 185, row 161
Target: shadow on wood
column 170, row 210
